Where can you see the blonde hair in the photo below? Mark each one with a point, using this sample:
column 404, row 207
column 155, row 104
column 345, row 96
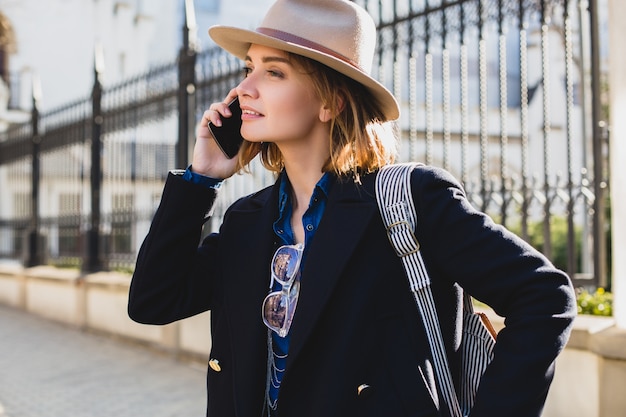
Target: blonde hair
column 360, row 142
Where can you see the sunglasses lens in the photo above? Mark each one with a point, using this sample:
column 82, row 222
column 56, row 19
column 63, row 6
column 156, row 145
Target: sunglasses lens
column 279, row 308
column 286, row 263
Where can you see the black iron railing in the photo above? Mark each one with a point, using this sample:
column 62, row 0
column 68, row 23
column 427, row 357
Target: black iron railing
column 503, row 93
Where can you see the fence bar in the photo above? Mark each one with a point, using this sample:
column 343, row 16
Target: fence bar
column 186, row 88
column 94, row 261
column 504, row 130
column 483, row 105
column 413, row 137
column 464, row 99
column 523, row 86
column 35, row 249
column 571, row 232
column 545, row 86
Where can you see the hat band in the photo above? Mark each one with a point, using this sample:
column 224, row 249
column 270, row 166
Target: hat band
column 290, row 38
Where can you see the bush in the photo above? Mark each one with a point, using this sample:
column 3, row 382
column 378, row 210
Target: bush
column 600, row 303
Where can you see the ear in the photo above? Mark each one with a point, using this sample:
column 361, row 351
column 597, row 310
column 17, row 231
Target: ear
column 326, row 114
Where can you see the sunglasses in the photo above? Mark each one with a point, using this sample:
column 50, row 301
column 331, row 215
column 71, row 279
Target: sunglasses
column 280, row 306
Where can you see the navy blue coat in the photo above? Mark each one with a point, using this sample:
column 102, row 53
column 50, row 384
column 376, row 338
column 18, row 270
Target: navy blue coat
column 356, row 321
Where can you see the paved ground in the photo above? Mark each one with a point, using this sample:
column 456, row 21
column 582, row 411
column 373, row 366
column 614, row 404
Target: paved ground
column 52, row 370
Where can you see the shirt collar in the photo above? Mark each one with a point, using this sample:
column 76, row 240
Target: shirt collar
column 323, row 185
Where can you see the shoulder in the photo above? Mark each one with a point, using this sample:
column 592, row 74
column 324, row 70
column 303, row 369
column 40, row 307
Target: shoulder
column 438, row 193
column 421, row 174
column 432, row 184
column 426, row 182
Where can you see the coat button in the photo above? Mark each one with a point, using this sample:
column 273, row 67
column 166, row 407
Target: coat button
column 215, row 365
column 363, row 390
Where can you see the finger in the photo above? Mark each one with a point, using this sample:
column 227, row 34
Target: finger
column 213, row 115
column 219, row 109
column 232, row 94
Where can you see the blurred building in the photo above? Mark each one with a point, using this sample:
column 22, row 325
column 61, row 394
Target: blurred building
column 52, row 42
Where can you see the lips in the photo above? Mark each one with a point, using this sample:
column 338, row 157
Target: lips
column 247, row 111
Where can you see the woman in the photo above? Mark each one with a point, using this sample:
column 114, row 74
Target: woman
column 311, row 314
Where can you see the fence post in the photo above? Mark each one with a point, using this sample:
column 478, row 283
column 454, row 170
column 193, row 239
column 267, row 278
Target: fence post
column 94, row 261
column 186, row 87
column 599, row 183
column 35, row 241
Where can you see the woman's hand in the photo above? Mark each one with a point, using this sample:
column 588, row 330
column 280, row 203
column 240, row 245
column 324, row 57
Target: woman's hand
column 208, row 158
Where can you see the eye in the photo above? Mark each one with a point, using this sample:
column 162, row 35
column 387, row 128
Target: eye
column 276, row 74
column 245, row 71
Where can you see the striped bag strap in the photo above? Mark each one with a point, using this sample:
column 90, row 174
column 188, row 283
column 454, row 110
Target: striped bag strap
column 393, row 193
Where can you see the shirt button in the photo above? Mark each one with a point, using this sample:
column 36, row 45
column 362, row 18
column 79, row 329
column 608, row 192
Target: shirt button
column 280, row 231
column 309, row 227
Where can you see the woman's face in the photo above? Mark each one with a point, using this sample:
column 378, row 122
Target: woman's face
column 278, row 101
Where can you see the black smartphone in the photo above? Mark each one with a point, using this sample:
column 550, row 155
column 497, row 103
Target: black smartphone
column 228, row 136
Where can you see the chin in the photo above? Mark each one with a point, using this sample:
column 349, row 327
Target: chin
column 250, row 137
column 253, row 138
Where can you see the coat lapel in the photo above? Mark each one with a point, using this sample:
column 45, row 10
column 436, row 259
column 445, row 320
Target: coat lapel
column 350, row 208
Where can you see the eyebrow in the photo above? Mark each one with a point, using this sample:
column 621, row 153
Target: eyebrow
column 267, row 59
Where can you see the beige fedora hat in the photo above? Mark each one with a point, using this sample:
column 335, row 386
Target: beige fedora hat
column 337, row 33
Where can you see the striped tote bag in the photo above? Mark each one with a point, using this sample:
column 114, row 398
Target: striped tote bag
column 393, row 194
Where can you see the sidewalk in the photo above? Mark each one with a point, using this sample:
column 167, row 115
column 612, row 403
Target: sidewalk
column 52, row 370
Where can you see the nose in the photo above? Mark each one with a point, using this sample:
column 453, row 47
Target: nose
column 246, row 87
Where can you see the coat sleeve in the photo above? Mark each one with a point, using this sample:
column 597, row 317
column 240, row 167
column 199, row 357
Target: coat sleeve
column 464, row 246
column 173, row 276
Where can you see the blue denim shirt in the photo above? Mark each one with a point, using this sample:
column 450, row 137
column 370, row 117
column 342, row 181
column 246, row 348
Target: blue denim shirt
column 282, row 228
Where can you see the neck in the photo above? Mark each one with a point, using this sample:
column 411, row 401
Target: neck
column 304, row 169
column 303, row 183
column 302, row 186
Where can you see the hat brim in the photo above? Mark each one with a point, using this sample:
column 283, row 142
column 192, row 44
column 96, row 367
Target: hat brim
column 237, row 41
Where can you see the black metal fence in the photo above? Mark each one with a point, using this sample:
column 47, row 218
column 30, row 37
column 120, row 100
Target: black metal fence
column 503, row 93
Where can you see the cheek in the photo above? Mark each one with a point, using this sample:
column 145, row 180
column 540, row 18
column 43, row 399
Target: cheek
column 295, row 122
column 298, row 108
